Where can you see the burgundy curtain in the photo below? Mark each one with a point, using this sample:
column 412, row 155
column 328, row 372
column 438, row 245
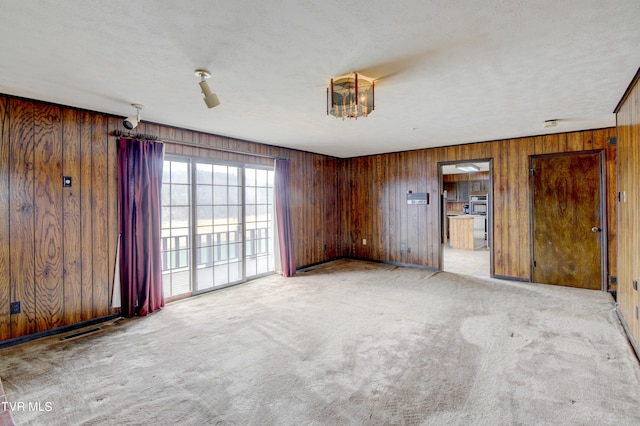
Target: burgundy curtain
column 283, row 218
column 139, row 186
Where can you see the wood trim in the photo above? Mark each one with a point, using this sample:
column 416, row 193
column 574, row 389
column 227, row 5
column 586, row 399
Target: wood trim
column 630, row 88
column 628, row 332
column 508, row 278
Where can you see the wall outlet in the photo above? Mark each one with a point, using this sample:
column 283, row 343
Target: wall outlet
column 364, row 242
column 15, row 308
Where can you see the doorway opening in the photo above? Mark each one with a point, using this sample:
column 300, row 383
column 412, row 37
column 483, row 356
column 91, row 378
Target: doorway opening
column 466, row 217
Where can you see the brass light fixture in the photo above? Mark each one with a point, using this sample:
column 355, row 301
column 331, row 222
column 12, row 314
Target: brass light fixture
column 351, row 96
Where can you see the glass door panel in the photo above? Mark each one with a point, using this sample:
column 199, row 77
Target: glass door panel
column 259, row 256
column 218, row 225
column 175, row 243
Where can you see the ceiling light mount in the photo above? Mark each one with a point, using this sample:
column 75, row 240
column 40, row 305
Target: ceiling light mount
column 131, row 122
column 351, row 96
column 210, row 98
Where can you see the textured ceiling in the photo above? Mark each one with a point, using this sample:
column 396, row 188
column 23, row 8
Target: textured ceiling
column 448, row 72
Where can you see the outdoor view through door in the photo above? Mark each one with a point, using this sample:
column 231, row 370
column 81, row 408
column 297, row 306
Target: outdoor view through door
column 217, row 224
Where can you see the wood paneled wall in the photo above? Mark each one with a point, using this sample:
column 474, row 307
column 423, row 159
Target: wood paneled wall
column 58, row 245
column 628, row 122
column 375, row 207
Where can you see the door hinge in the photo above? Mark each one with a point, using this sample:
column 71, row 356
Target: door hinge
column 532, row 171
column 613, row 141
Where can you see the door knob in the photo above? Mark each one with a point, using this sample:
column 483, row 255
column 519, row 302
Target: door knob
column 595, row 229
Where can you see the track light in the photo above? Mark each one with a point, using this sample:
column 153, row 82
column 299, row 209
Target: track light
column 210, row 98
column 132, row 122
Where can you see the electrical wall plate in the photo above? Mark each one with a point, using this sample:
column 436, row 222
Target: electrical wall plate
column 66, row 181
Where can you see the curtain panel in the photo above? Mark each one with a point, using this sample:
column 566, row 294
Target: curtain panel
column 139, row 188
column 283, row 218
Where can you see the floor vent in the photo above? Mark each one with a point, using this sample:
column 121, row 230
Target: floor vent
column 81, row 333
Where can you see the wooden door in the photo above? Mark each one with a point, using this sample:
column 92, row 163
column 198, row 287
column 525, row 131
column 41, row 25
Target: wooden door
column 568, row 222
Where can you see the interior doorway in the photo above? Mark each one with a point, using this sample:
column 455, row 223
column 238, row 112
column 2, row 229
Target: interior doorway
column 466, row 217
column 568, row 220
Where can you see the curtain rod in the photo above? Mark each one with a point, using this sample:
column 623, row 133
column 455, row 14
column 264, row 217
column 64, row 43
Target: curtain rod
column 120, row 133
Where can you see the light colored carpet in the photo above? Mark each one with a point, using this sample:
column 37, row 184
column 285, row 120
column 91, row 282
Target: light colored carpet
column 6, row 419
column 347, row 342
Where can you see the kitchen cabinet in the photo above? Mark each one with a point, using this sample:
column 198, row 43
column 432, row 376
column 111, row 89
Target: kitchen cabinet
column 460, row 186
column 479, row 186
column 457, row 191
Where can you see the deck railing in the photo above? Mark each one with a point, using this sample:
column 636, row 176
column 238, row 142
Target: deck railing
column 213, row 248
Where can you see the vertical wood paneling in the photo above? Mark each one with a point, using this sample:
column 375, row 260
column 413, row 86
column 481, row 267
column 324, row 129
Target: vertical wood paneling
column 71, row 224
column 64, row 239
column 611, row 185
column 434, row 209
column 409, row 227
column 524, row 208
column 628, row 219
column 86, row 214
column 335, row 203
column 395, row 235
column 413, row 211
column 575, row 141
column 512, row 241
column 100, row 215
column 440, row 155
column 49, row 294
column 112, row 206
column 5, row 264
column 422, row 232
column 500, row 209
column 21, row 172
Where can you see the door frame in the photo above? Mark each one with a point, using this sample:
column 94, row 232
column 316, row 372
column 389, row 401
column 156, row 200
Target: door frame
column 489, row 208
column 604, row 237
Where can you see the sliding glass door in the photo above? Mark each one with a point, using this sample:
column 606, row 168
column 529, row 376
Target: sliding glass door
column 217, row 224
column 258, row 188
column 175, row 240
column 218, row 206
